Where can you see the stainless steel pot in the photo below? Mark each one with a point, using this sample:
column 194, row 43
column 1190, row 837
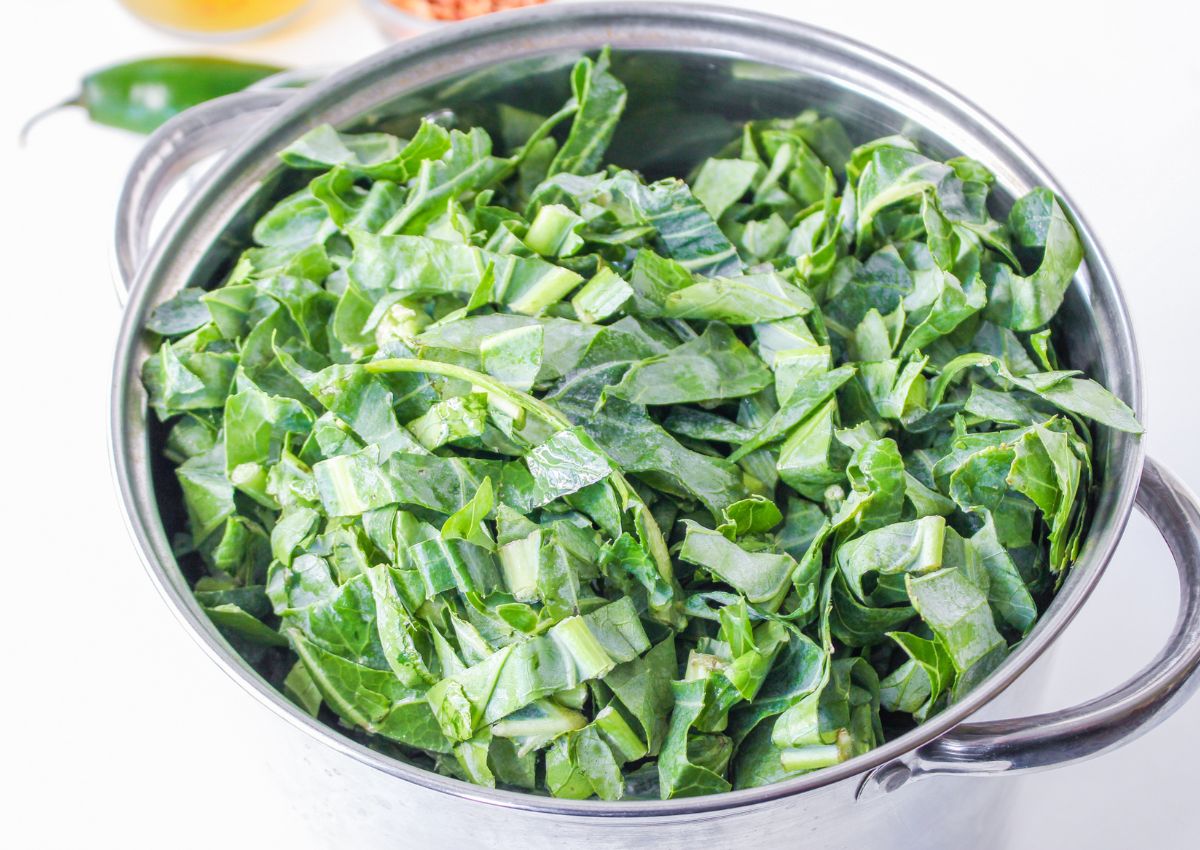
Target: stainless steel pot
column 693, row 72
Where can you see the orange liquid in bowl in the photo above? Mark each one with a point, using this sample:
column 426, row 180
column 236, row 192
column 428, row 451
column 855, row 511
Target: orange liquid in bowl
column 213, row 17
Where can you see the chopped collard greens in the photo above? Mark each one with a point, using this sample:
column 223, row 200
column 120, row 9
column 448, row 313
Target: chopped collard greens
column 537, row 474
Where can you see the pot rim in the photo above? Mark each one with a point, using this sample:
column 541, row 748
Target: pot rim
column 621, row 25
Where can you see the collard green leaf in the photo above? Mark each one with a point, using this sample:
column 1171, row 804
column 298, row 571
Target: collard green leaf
column 373, row 700
column 634, row 442
column 903, row 548
column 514, row 356
column 232, row 619
column 1084, row 397
column 601, row 296
column 467, row 523
column 701, row 425
column 554, row 232
column 836, row 723
column 755, row 515
column 352, row 208
column 341, row 622
column 917, row 684
column 297, row 222
column 575, row 650
column 653, row 279
column 257, row 428
column 958, row 612
column 182, row 313
column 416, row 266
column 760, row 577
column 715, row 365
column 682, row 771
column 399, row 633
column 465, row 166
column 1007, row 593
column 876, row 474
column 207, row 492
column 181, row 378
column 566, row 463
column 855, row 288
column 600, row 100
column 456, row 419
column 952, row 304
column 379, row 156
column 643, row 686
column 1041, row 227
column 721, row 183
column 302, row 690
column 803, row 401
column 685, row 230
column 740, row 300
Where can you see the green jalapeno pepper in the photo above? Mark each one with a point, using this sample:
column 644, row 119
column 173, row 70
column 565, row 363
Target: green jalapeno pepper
column 142, row 94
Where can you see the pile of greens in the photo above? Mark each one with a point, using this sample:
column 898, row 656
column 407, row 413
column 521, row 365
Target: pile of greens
column 540, row 475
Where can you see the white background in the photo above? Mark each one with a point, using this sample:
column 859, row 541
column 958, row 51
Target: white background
column 119, row 732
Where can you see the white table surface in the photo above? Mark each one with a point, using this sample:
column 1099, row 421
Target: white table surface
column 119, row 732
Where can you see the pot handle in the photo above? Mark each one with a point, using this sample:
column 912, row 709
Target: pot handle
column 1105, row 723
column 171, row 150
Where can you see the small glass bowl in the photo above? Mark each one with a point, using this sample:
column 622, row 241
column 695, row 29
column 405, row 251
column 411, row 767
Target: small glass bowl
column 399, row 19
column 208, row 21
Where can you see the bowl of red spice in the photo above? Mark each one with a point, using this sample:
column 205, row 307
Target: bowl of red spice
column 398, row 19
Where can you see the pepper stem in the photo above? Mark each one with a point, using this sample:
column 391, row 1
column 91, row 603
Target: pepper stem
column 23, row 135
